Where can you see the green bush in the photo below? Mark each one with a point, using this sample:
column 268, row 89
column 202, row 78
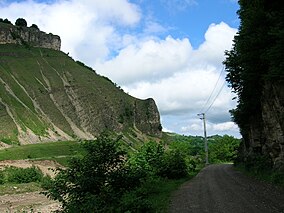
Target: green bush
column 174, row 165
column 94, row 182
column 2, row 178
column 21, row 175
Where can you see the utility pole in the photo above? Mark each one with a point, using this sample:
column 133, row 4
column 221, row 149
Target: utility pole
column 205, row 137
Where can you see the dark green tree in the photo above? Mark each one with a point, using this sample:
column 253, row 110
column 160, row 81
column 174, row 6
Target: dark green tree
column 256, row 57
column 21, row 22
column 34, row 26
column 6, row 21
column 94, row 182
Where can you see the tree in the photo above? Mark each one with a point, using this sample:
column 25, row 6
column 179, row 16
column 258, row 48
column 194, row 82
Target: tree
column 6, row 21
column 223, row 149
column 21, row 22
column 256, row 57
column 34, row 26
column 94, row 182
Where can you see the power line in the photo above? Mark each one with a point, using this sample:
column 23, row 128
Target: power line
column 216, row 96
column 215, row 86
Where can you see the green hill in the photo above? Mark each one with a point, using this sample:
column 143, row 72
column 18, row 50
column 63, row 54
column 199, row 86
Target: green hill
column 46, row 96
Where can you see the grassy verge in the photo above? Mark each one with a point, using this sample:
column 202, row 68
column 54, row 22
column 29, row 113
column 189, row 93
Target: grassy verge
column 162, row 191
column 269, row 176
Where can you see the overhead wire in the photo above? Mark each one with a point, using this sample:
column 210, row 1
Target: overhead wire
column 212, row 92
column 221, row 88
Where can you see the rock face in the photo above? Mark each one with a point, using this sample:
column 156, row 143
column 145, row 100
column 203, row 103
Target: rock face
column 266, row 133
column 10, row 34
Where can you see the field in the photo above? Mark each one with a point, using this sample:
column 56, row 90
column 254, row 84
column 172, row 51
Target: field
column 58, row 151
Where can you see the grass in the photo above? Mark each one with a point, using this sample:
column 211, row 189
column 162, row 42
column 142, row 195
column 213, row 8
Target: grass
column 269, row 176
column 59, row 151
column 13, row 188
column 162, row 190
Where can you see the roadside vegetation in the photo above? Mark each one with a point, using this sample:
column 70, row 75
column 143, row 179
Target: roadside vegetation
column 260, row 167
column 106, row 176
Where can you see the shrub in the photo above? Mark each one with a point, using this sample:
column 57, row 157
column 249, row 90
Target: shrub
column 34, row 26
column 2, row 180
column 21, row 22
column 174, row 165
column 94, row 182
column 21, row 175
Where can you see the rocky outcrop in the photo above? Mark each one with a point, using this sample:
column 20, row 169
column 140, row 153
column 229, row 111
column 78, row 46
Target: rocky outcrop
column 265, row 136
column 147, row 117
column 10, row 34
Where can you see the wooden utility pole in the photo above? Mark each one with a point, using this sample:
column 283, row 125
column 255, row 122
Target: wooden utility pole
column 205, row 137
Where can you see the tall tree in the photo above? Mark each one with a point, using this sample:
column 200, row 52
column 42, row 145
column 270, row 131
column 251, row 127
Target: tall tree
column 257, row 56
column 21, row 22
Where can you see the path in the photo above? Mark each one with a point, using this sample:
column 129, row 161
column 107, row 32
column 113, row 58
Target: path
column 221, row 189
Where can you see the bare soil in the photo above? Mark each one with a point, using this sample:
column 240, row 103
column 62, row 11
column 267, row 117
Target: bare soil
column 222, row 189
column 30, row 201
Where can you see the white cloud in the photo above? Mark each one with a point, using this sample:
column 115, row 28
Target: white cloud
column 102, row 34
column 88, row 28
column 178, row 77
column 149, row 61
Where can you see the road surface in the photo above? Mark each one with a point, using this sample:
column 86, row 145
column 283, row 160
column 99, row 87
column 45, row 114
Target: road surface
column 221, row 189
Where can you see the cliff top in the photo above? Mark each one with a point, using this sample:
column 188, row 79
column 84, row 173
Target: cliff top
column 28, row 36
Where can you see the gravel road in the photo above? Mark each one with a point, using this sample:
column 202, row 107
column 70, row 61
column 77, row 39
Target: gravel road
column 221, row 189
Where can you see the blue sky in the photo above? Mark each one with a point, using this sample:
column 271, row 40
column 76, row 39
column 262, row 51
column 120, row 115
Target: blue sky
column 169, row 50
column 190, row 18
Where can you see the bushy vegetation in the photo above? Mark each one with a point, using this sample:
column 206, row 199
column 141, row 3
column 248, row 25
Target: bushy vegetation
column 107, row 179
column 261, row 167
column 21, row 22
column 20, row 175
column 221, row 149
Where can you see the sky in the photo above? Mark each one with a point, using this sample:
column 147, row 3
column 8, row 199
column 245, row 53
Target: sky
column 168, row 50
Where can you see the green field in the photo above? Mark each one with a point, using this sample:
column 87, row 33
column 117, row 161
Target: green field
column 58, row 151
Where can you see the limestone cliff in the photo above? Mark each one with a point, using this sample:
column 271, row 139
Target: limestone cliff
column 10, row 34
column 265, row 135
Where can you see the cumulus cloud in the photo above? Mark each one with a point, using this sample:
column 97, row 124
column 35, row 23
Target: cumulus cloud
column 177, row 76
column 147, row 61
column 103, row 34
column 88, row 28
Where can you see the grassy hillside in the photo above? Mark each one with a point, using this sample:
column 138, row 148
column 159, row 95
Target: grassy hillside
column 46, row 96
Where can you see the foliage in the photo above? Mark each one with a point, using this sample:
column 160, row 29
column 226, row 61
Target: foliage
column 21, row 22
column 256, row 56
column 21, row 175
column 260, row 168
column 223, row 149
column 34, row 26
column 93, row 182
column 6, row 21
column 105, row 179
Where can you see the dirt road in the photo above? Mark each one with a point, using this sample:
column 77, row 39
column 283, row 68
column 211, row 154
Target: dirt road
column 221, row 189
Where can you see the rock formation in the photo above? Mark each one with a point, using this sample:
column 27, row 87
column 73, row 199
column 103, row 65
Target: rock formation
column 266, row 131
column 10, row 34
